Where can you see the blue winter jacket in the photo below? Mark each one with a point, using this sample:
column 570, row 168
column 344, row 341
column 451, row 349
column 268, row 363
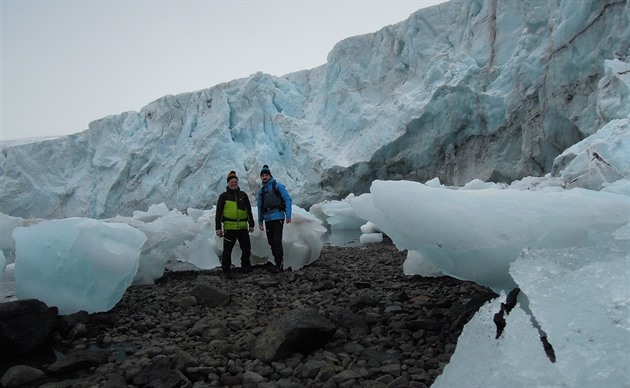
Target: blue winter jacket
column 268, row 199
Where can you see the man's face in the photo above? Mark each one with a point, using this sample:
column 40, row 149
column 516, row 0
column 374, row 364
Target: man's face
column 265, row 178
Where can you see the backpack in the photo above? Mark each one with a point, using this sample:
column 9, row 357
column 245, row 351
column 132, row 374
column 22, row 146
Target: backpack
column 282, row 205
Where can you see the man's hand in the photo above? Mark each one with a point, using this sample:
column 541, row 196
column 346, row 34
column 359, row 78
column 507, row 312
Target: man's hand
column 219, row 233
column 260, row 226
column 288, row 220
column 251, row 229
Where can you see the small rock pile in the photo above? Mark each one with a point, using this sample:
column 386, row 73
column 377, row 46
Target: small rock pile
column 350, row 319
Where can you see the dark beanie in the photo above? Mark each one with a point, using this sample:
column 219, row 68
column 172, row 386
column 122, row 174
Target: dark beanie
column 231, row 175
column 266, row 170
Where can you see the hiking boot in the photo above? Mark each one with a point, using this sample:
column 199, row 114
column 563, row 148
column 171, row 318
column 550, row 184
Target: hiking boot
column 247, row 269
column 228, row 275
column 279, row 265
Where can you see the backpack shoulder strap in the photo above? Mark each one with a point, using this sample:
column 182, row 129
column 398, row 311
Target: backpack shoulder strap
column 276, row 190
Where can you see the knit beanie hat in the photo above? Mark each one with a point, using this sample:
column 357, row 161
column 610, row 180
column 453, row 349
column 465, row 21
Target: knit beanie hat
column 231, row 175
column 266, row 170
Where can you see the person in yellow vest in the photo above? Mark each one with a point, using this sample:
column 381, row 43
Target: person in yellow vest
column 234, row 212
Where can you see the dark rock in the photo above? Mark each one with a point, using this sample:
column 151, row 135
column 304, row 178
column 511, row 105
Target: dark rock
column 362, row 301
column 208, row 328
column 326, row 373
column 323, row 285
column 19, row 375
column 420, row 299
column 385, row 379
column 424, row 324
column 77, row 361
column 348, row 320
column 401, row 381
column 159, row 373
column 362, row 285
column 312, row 368
column 444, row 303
column 184, row 360
column 375, row 355
column 105, row 318
column 115, row 381
column 230, row 380
column 210, row 296
column 402, row 296
column 68, row 322
column 251, row 377
column 299, row 330
column 347, row 375
column 184, row 301
column 25, row 325
column 462, row 313
column 267, row 282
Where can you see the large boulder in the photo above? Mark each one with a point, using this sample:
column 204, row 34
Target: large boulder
column 79, row 360
column 20, row 375
column 25, row 325
column 298, row 331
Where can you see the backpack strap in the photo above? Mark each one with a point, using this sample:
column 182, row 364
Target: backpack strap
column 278, row 194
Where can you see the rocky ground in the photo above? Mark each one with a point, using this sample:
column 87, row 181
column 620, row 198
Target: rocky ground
column 392, row 330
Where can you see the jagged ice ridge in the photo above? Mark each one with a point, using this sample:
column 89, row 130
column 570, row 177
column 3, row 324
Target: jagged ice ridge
column 464, row 90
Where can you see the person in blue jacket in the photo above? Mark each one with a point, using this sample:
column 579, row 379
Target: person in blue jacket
column 274, row 207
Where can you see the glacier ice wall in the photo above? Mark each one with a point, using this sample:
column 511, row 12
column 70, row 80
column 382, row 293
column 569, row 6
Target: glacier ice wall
column 467, row 89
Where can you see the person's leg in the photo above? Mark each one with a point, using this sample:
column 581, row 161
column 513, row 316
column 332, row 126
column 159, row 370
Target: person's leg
column 277, row 237
column 269, row 225
column 229, row 239
column 274, row 237
column 246, row 248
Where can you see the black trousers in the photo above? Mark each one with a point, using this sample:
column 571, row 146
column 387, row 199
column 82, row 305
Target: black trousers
column 274, row 238
column 229, row 240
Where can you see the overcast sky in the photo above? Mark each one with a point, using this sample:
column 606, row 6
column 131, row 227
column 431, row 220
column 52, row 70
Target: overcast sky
column 66, row 63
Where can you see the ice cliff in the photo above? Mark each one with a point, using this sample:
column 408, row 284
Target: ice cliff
column 467, row 89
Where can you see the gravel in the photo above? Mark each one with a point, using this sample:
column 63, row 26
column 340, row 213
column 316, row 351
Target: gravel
column 393, row 330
